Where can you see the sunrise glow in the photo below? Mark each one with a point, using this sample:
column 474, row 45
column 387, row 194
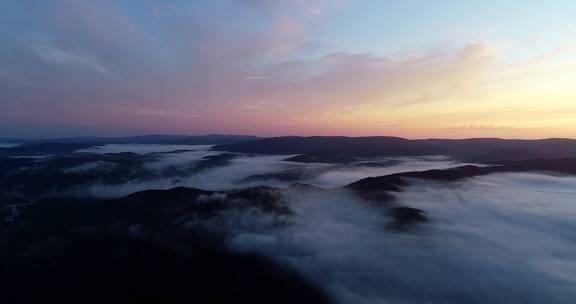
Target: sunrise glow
column 416, row 69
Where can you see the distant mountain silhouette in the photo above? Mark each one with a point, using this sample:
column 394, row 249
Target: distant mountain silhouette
column 324, row 145
column 476, row 149
column 39, row 149
column 212, row 139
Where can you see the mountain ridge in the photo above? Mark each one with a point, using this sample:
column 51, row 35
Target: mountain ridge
column 209, row 139
column 473, row 149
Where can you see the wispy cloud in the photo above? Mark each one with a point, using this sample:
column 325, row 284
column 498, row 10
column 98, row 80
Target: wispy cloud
column 89, row 59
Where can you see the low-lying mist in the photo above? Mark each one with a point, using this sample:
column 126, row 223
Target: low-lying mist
column 506, row 238
column 142, row 148
column 237, row 172
column 499, row 238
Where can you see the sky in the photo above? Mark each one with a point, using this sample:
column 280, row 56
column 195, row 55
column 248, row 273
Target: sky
column 410, row 68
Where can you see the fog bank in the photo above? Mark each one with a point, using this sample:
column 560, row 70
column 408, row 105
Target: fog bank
column 505, row 238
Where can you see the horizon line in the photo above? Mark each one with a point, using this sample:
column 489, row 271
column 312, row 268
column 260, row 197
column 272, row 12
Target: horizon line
column 275, row 136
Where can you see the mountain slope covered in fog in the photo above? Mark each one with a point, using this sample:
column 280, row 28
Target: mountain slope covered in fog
column 176, row 223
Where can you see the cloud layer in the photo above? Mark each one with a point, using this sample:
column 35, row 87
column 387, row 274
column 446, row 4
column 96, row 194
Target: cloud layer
column 264, row 67
column 495, row 239
column 500, row 238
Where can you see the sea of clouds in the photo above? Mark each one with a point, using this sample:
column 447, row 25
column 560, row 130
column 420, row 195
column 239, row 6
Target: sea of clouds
column 504, row 238
column 235, row 174
column 501, row 238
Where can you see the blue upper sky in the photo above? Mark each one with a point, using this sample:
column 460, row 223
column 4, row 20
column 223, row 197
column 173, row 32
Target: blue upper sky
column 272, row 67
